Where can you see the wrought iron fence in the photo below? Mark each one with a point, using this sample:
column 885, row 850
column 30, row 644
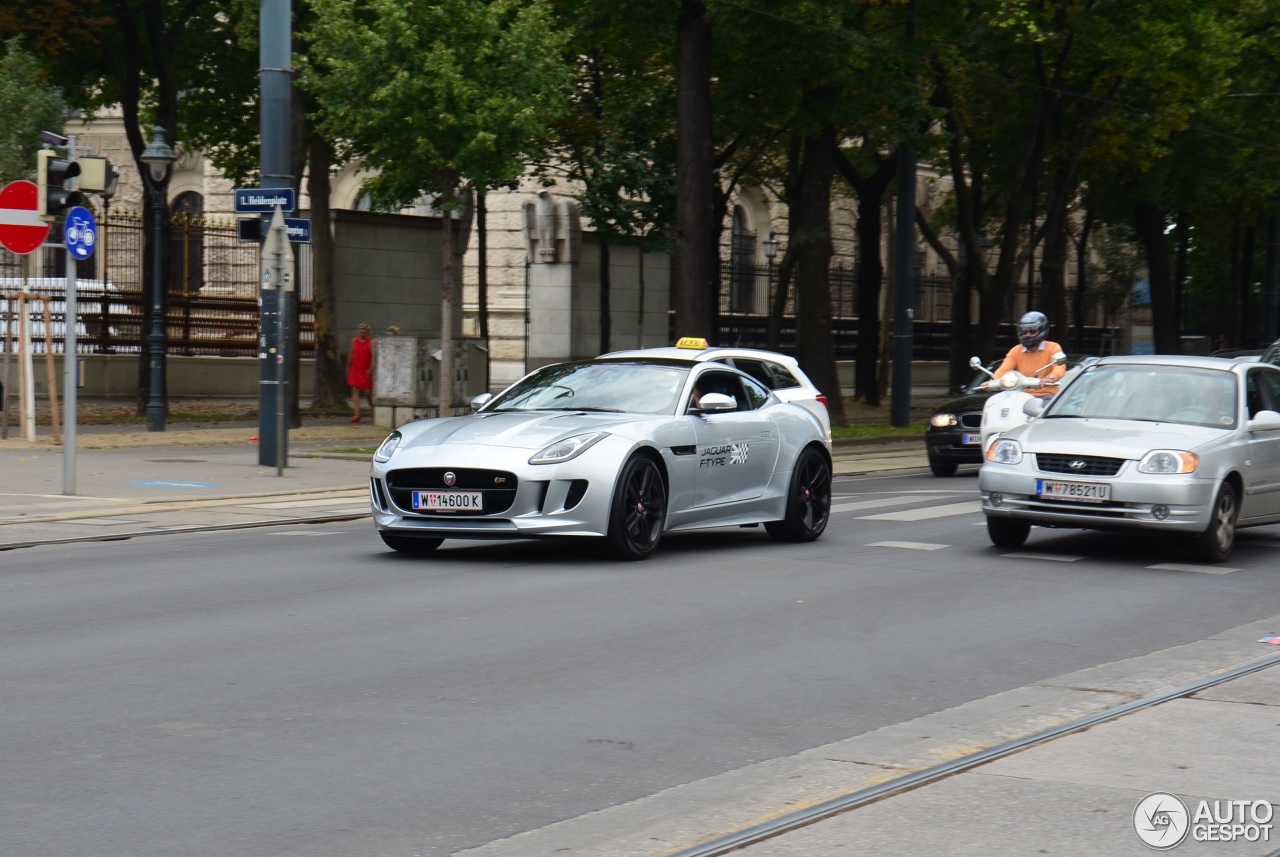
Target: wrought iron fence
column 747, row 293
column 212, row 290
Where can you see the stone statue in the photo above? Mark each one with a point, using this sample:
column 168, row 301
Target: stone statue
column 553, row 230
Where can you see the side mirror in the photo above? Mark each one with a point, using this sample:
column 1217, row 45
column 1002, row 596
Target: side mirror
column 714, row 402
column 1265, row 421
column 975, row 363
column 1060, row 359
column 480, row 401
column 1033, row 407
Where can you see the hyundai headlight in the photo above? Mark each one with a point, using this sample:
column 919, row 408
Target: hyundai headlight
column 1005, row 451
column 388, row 447
column 1169, row 461
column 942, row 420
column 569, row 448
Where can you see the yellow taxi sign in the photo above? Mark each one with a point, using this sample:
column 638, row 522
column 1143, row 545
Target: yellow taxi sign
column 691, row 342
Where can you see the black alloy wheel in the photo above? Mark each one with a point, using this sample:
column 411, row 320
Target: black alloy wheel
column 808, row 500
column 638, row 513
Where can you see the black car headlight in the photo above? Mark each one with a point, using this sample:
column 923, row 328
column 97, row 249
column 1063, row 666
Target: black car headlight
column 569, row 448
column 388, row 447
column 943, row 420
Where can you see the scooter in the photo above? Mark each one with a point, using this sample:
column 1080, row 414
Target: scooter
column 1013, row 406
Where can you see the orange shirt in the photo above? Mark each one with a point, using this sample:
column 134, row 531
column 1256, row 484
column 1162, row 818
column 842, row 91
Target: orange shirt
column 1031, row 362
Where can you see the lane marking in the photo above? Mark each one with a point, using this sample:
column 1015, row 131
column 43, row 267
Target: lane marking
column 876, row 504
column 1199, row 569
column 911, row 546
column 927, row 513
column 1052, row 557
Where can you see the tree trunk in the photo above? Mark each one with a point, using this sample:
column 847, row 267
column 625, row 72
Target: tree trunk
column 1149, row 221
column 695, row 253
column 482, row 273
column 606, row 283
column 811, row 243
column 331, row 382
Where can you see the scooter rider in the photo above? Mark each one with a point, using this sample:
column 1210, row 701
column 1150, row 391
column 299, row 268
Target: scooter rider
column 1033, row 353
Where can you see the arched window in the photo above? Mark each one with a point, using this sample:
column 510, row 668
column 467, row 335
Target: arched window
column 742, row 264
column 186, row 250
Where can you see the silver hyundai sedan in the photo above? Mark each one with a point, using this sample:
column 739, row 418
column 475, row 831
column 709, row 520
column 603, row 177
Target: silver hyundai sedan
column 1186, row 445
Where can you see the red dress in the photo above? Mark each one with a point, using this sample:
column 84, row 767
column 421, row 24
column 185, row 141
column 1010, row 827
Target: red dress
column 361, row 362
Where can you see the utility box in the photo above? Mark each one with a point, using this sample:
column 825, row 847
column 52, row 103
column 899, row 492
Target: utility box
column 406, row 378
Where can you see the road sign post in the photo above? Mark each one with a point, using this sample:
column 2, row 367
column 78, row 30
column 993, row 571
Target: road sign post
column 273, row 388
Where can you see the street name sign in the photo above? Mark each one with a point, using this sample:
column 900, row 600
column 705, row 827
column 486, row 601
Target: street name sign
column 21, row 228
column 299, row 229
column 264, row 200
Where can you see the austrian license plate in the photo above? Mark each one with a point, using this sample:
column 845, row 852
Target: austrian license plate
column 1085, row 492
column 448, row 501
column 971, row 439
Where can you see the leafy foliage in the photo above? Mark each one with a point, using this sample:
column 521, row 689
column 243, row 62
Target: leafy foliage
column 28, row 106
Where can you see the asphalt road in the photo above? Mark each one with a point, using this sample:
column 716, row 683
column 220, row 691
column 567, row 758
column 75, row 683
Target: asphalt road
column 302, row 691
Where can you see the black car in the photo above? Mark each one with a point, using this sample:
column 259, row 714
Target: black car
column 953, row 436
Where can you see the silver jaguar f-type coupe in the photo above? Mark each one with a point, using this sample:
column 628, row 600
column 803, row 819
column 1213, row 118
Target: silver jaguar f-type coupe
column 619, row 449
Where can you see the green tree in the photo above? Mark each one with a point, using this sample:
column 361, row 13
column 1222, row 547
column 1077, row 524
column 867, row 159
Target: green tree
column 438, row 98
column 28, row 106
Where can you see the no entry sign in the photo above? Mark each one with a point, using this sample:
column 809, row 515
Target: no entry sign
column 21, row 229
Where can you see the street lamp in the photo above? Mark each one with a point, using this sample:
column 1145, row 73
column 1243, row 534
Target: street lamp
column 159, row 158
column 770, row 250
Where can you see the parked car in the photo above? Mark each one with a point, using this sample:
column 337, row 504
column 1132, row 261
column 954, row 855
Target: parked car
column 954, row 433
column 1164, row 444
column 781, row 373
column 615, row 449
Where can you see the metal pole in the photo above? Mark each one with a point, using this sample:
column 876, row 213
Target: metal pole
column 274, row 81
column 155, row 340
column 904, row 293
column 1270, row 322
column 70, row 376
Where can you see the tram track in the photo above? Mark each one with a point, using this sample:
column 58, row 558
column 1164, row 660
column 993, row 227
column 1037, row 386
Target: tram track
column 755, row 834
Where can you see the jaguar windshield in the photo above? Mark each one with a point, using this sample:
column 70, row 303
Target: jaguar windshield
column 611, row 386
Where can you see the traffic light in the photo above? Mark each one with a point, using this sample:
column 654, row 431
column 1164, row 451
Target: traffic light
column 52, row 174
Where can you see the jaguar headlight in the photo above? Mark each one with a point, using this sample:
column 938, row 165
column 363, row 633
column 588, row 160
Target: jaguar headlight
column 569, row 448
column 942, row 420
column 1169, row 461
column 388, row 447
column 1005, row 451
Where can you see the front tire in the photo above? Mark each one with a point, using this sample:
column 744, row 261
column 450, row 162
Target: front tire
column 409, row 544
column 1217, row 541
column 638, row 512
column 1006, row 533
column 941, row 468
column 808, row 500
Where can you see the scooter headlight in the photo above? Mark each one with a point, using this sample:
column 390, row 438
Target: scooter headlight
column 1005, row 451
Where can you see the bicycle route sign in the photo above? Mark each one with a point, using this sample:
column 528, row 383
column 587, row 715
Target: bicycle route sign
column 21, row 229
column 80, row 232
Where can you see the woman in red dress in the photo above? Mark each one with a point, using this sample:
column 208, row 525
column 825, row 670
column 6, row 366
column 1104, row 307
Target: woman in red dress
column 359, row 370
